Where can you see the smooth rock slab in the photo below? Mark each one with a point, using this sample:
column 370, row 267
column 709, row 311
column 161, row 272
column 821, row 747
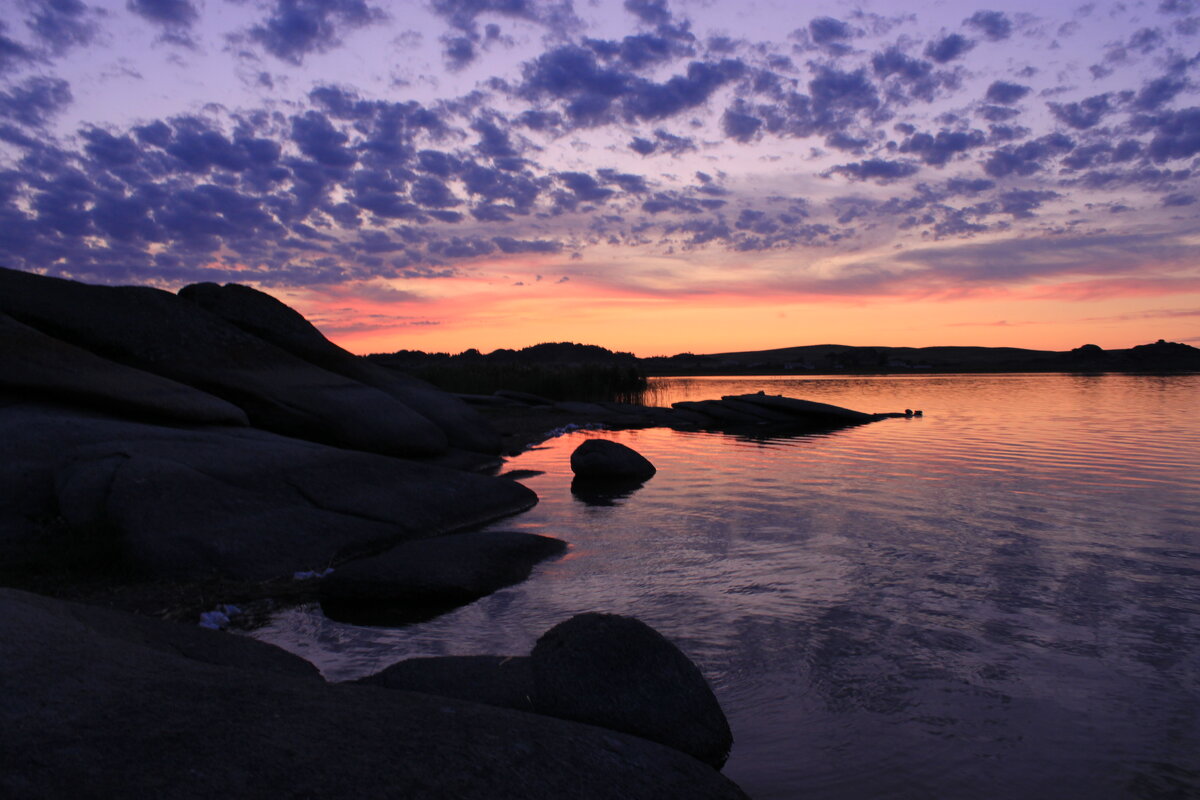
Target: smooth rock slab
column 88, row 709
column 161, row 333
column 227, row 502
column 272, row 320
column 619, row 673
column 502, row 681
column 437, row 574
column 603, row 459
column 34, row 365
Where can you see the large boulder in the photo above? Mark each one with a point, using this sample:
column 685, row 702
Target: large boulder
column 502, row 681
column 36, row 366
column 606, row 460
column 231, row 502
column 453, row 569
column 619, row 673
column 274, row 321
column 161, row 333
column 109, row 711
column 605, row 670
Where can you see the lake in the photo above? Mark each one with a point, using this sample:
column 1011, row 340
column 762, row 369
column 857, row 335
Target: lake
column 998, row 599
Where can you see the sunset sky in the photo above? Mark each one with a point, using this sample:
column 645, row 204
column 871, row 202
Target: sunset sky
column 655, row 176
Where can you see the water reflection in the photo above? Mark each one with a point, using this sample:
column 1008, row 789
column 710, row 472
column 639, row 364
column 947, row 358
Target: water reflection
column 997, row 600
column 603, row 492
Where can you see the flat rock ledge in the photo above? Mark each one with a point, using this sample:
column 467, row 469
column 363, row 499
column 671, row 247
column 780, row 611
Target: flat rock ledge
column 118, row 706
column 606, row 670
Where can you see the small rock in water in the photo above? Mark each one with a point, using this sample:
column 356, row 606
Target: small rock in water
column 602, row 459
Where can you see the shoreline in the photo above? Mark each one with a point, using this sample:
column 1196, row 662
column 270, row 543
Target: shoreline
column 520, row 427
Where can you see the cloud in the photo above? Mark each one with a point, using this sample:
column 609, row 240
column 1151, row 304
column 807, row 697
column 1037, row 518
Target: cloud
column 513, row 246
column 992, row 24
column 1028, row 158
column 1177, row 135
column 593, row 93
column 35, row 101
column 653, row 12
column 12, row 53
column 1006, row 93
column 298, row 28
column 939, row 149
column 64, row 24
column 1084, row 114
column 948, row 48
column 168, row 13
column 663, row 142
column 1178, row 200
column 878, row 170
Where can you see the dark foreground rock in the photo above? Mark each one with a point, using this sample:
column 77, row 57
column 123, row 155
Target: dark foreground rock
column 602, row 669
column 503, row 681
column 161, row 333
column 430, row 576
column 36, row 366
column 605, row 460
column 229, row 502
column 95, row 708
column 264, row 316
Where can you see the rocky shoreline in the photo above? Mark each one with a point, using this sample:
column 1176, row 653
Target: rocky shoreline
column 176, row 455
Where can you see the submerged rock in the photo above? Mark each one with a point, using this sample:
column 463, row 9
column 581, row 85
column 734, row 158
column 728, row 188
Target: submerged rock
column 603, row 459
column 125, row 707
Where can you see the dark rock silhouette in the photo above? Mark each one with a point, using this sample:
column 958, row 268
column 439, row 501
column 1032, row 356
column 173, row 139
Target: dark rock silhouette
column 124, row 707
column 158, row 332
column 266, row 317
column 602, row 669
column 619, row 673
column 36, row 366
column 806, row 409
column 443, row 572
column 605, row 460
column 503, row 681
column 232, row 502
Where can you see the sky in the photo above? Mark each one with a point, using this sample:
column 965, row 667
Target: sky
column 653, row 176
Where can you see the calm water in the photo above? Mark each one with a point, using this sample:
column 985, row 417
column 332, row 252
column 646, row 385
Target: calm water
column 998, row 600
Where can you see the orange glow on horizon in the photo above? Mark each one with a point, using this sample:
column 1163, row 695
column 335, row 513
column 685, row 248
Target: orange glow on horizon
column 487, row 313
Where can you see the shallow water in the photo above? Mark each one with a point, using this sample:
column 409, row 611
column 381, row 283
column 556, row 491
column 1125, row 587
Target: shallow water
column 999, row 599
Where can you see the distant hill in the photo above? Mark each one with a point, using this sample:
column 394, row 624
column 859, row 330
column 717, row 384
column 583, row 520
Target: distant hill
column 1161, row 356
